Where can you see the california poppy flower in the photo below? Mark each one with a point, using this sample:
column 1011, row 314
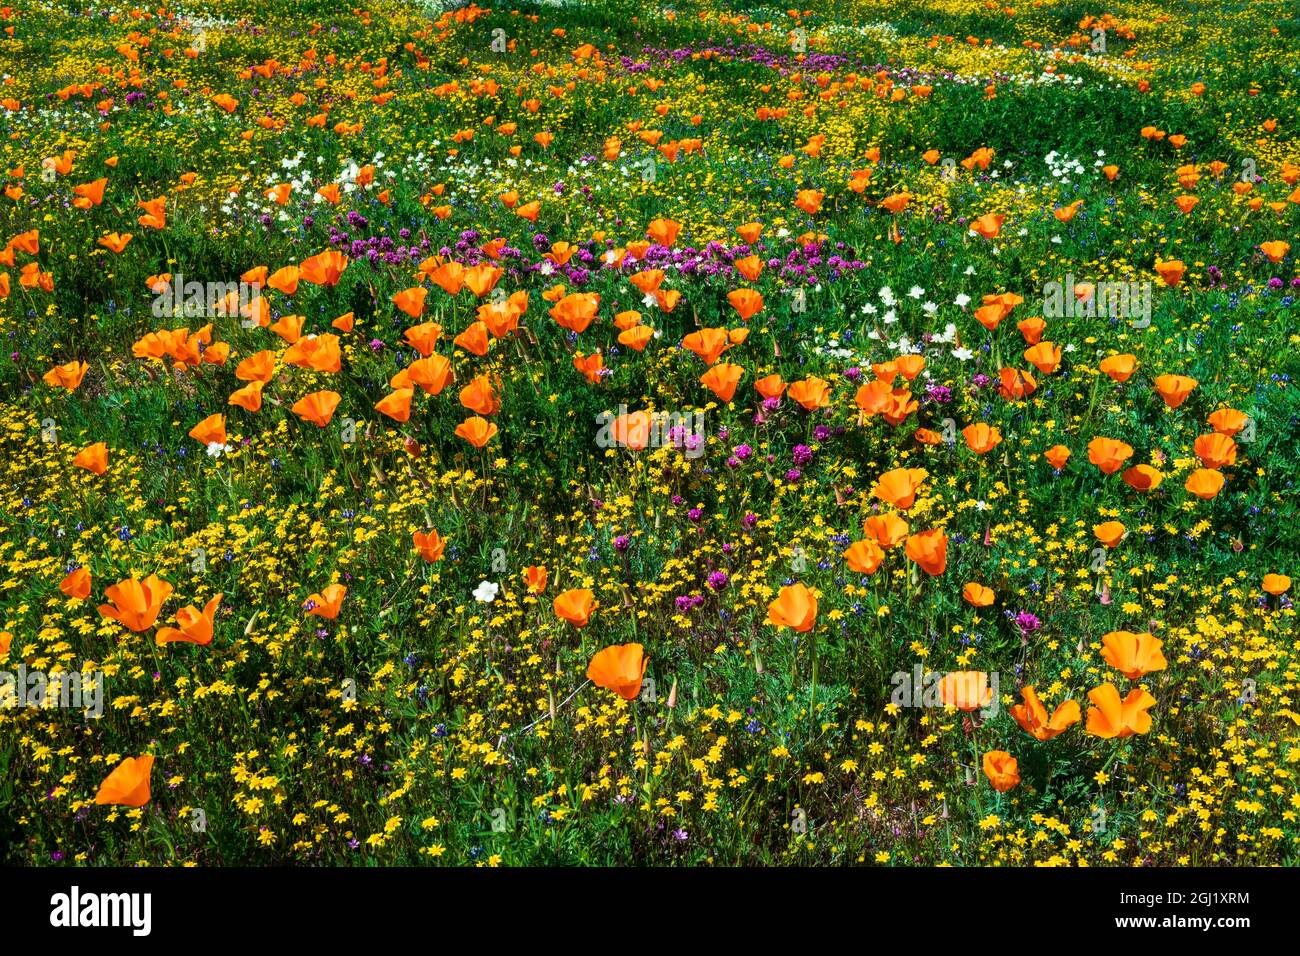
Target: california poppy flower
column 663, row 231
column 535, row 577
column 1001, row 769
column 328, row 602
column 864, row 556
column 1276, row 584
column 1215, row 450
column 966, row 690
column 249, row 397
column 284, row 280
column 474, row 339
column 195, row 627
column 411, row 301
column 708, row 344
column 977, row 595
column 1174, row 389
column 929, row 549
column 620, row 668
column 1110, row 717
column 432, row 374
column 1204, row 483
column 575, row 606
column 476, row 430
column 746, row 302
column 128, row 784
column 811, row 393
column 93, row 458
column 67, row 376
column 1142, row 478
column 1057, row 456
column 1228, row 421
column 722, row 379
column 317, row 407
column 324, row 268
column 1133, row 655
column 1109, row 454
column 396, row 404
column 981, row 438
column 1171, row 272
column 1032, row 715
column 899, row 486
column 1109, row 533
column 430, row 546
column 1119, row 367
column 135, row 604
column 76, row 584
column 636, row 337
column 887, row 529
column 770, row 386
column 795, row 607
column 632, row 430
column 988, row 225
column 211, row 431
column 576, row 311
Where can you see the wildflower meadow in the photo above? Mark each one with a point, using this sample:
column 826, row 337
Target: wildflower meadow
column 649, row 432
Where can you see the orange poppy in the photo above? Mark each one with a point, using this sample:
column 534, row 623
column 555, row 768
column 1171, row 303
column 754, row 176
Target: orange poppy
column 1057, row 456
column 476, row 430
column 929, row 549
column 1174, row 389
column 535, row 577
column 128, row 784
column 429, row 546
column 1109, row 454
column 1133, row 655
column 1142, row 478
column 966, row 690
column 981, row 438
column 318, row 407
column 1109, row 533
column 328, row 602
column 708, row 344
column 1111, row 717
column 620, row 668
column 1215, row 450
column 575, row 606
column 722, row 379
column 899, row 486
column 864, row 556
column 93, row 458
column 76, row 584
column 195, row 627
column 1204, row 483
column 1002, row 770
column 811, row 393
column 1119, row 367
column 67, row 376
column 977, row 595
column 1033, row 719
column 135, row 604
column 396, row 404
column 1276, row 584
column 795, row 607
column 324, row 268
column 887, row 529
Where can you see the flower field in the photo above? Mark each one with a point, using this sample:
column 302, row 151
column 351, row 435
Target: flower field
column 665, row 433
